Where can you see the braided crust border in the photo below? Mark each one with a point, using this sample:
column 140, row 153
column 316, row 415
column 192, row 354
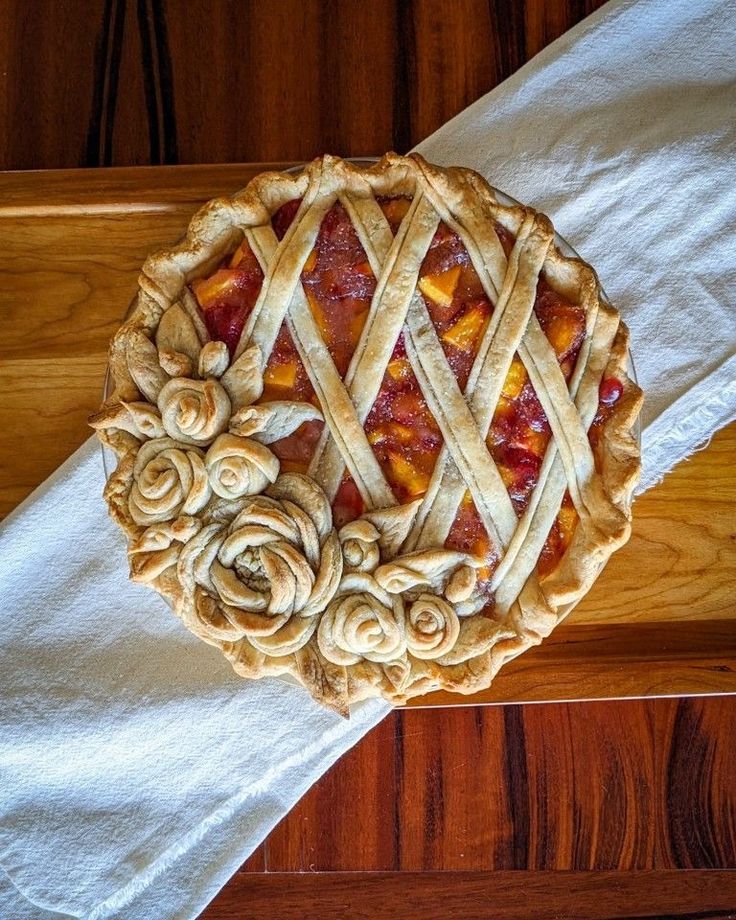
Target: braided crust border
column 215, row 231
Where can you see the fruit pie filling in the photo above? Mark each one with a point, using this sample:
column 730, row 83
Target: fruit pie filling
column 405, row 437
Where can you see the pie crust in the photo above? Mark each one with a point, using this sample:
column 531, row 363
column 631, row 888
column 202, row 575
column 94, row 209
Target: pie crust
column 248, row 554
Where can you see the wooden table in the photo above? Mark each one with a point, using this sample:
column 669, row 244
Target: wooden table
column 647, row 785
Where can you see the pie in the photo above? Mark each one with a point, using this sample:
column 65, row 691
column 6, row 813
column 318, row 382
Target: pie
column 373, row 429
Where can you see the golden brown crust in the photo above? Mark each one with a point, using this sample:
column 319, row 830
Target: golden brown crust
column 374, row 621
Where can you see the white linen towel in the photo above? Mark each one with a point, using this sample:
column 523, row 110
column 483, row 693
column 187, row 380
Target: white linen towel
column 136, row 771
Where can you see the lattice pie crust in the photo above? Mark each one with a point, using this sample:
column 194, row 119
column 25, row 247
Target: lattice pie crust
column 247, row 555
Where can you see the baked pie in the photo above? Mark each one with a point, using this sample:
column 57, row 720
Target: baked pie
column 373, row 429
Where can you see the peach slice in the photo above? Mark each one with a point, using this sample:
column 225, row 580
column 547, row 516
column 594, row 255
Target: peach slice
column 507, row 475
column 464, row 333
column 440, row 288
column 562, row 330
column 413, row 480
column 401, row 433
column 395, row 210
column 536, row 442
column 377, row 435
column 399, row 368
column 237, row 256
column 567, row 519
column 244, row 259
column 357, row 322
column 209, row 290
column 390, row 431
column 282, row 376
column 319, row 316
column 504, row 408
column 515, row 379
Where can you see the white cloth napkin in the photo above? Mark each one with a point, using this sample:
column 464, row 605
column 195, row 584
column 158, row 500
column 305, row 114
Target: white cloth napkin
column 136, row 771
column 134, row 763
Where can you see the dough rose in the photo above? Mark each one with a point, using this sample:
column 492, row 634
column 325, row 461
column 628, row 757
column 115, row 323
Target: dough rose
column 359, row 540
column 169, row 479
column 194, row 411
column 240, row 466
column 362, row 621
column 278, row 559
column 432, row 627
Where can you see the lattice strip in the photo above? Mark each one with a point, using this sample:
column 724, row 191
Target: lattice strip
column 500, row 341
column 522, row 554
column 462, row 438
column 443, row 395
column 463, row 442
column 281, row 272
column 487, row 378
column 543, row 368
column 337, row 408
column 395, row 288
column 475, row 229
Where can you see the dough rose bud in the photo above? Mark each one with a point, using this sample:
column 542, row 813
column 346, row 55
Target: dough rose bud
column 359, row 540
column 362, row 621
column 169, row 479
column 194, row 411
column 432, row 627
column 240, row 466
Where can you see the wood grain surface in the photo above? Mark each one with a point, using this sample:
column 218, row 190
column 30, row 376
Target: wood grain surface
column 661, row 620
column 647, row 786
column 135, row 82
column 552, row 787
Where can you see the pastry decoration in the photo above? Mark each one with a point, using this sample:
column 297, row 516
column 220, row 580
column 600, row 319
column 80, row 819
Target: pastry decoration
column 373, row 430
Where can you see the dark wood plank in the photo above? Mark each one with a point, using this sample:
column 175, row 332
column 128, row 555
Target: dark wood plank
column 136, row 124
column 583, row 786
column 46, row 93
column 129, row 82
column 546, row 20
column 512, row 895
column 452, row 60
